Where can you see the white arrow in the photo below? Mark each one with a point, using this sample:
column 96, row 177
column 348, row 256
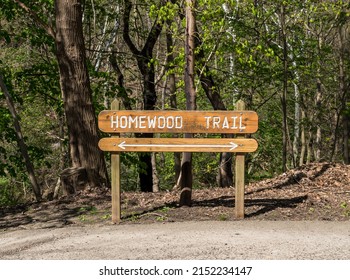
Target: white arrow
column 232, row 145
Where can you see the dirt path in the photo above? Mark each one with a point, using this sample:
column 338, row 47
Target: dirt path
column 183, row 240
column 301, row 214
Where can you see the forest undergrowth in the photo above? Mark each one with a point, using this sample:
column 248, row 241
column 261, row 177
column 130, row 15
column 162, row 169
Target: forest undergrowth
column 312, row 192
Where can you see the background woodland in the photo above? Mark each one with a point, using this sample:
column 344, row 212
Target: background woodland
column 62, row 62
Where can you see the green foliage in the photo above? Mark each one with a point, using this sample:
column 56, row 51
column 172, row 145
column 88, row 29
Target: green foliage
column 9, row 196
column 267, row 161
column 166, row 170
column 205, row 169
column 31, row 76
column 164, row 12
column 243, row 50
column 223, row 217
column 346, row 208
column 130, row 170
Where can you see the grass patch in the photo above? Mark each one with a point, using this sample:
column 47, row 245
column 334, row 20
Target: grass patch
column 346, row 209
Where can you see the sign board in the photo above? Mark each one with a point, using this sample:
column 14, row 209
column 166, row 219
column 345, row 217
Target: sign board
column 221, row 122
column 237, row 145
column 206, row 122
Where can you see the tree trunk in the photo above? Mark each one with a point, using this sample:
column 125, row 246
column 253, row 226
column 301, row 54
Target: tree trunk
column 171, row 83
column 76, row 93
column 344, row 98
column 296, row 137
column 225, row 175
column 145, row 180
column 318, row 103
column 186, row 177
column 285, row 88
column 146, row 67
column 346, row 156
column 155, row 173
column 63, row 153
column 318, row 125
column 20, row 141
column 302, row 139
column 309, row 147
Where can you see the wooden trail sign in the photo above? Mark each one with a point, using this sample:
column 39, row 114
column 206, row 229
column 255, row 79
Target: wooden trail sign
column 227, row 122
column 117, row 121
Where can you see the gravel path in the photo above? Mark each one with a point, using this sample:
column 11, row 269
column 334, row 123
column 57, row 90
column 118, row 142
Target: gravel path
column 269, row 240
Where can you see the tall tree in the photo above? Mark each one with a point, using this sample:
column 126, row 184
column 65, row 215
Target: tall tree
column 344, row 95
column 76, row 92
column 185, row 180
column 146, row 67
column 283, row 23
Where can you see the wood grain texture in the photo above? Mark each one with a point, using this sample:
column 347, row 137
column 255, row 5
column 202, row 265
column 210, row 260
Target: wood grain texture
column 230, row 122
column 239, row 175
column 234, row 145
column 115, row 176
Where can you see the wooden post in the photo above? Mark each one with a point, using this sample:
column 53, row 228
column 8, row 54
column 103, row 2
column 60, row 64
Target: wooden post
column 239, row 175
column 115, row 176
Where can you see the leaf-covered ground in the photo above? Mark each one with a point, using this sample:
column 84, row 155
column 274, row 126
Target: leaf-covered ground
column 311, row 192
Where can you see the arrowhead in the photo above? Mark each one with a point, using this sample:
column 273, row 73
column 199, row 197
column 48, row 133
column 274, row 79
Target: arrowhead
column 233, row 146
column 122, row 145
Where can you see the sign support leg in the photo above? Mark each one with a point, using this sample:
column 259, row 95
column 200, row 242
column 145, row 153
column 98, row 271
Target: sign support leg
column 239, row 176
column 239, row 182
column 115, row 177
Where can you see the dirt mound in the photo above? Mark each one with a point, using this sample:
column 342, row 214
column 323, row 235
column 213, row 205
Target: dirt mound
column 316, row 191
column 311, row 192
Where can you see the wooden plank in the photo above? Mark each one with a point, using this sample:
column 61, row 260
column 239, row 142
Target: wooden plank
column 178, row 145
column 115, row 176
column 227, row 122
column 239, row 176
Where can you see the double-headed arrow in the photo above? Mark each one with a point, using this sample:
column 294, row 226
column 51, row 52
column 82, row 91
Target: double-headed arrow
column 178, row 145
column 123, row 145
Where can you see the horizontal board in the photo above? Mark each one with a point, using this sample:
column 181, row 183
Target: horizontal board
column 227, row 122
column 241, row 145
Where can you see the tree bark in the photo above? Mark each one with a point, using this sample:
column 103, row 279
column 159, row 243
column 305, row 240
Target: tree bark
column 296, row 138
column 302, row 139
column 186, row 177
column 318, row 125
column 344, row 98
column 155, row 173
column 21, row 144
column 76, row 93
column 285, row 89
column 75, row 88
